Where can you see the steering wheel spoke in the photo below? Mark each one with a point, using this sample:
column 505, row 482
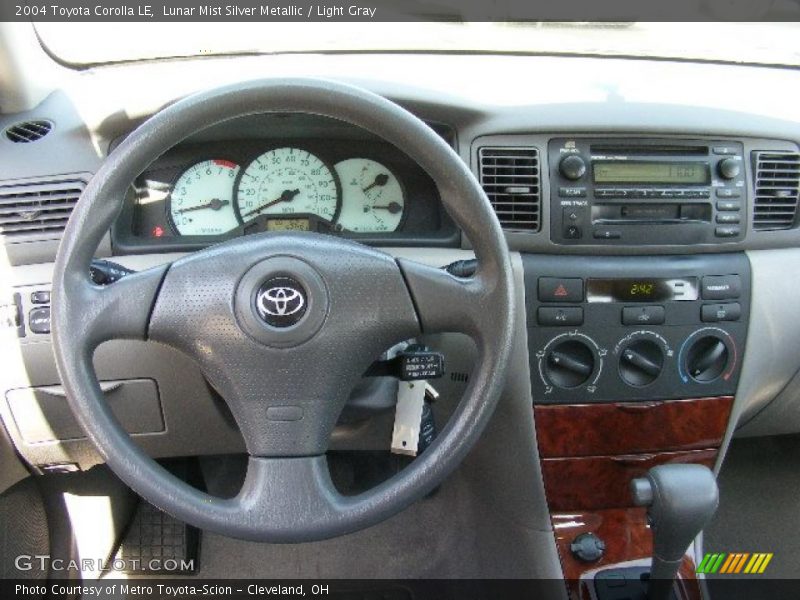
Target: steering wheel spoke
column 120, row 310
column 446, row 303
column 280, row 493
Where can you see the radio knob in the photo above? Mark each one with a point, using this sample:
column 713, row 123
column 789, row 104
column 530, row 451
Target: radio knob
column 572, row 167
column 729, row 168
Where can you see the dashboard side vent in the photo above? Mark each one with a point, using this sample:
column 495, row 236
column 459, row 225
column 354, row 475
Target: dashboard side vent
column 40, row 210
column 777, row 186
column 28, row 131
column 511, row 179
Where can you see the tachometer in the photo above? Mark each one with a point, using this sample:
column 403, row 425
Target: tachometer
column 201, row 202
column 372, row 198
column 287, row 181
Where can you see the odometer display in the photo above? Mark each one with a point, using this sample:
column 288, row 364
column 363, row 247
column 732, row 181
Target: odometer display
column 292, row 224
column 287, row 181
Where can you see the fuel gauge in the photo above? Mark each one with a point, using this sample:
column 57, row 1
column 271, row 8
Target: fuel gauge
column 372, row 197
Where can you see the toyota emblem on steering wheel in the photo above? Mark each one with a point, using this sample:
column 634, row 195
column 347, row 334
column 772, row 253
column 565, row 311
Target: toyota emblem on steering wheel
column 281, row 302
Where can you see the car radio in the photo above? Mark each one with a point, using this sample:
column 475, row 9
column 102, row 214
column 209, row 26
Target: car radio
column 646, row 191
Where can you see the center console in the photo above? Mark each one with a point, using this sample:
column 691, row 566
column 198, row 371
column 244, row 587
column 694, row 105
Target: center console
column 634, row 364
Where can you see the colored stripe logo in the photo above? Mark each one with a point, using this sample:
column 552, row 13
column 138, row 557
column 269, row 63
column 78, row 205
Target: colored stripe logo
column 735, row 562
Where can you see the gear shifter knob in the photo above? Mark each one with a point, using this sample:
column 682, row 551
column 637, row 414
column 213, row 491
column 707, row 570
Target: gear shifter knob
column 681, row 500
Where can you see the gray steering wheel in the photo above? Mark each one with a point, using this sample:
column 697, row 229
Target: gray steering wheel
column 284, row 383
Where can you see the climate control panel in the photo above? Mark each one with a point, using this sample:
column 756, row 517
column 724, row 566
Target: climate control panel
column 612, row 329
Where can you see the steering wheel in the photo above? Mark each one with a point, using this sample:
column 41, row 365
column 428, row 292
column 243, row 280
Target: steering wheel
column 285, row 372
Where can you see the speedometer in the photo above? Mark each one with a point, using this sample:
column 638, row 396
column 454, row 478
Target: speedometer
column 201, row 199
column 287, row 181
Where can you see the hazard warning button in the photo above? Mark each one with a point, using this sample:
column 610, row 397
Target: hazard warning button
column 557, row 289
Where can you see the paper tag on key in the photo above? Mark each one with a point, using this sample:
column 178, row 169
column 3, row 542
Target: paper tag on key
column 407, row 417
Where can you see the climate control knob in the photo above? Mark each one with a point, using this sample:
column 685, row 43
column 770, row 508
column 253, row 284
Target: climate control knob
column 707, row 359
column 641, row 362
column 569, row 364
column 572, row 167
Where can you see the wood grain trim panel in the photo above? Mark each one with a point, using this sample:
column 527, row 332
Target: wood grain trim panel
column 595, row 482
column 631, row 427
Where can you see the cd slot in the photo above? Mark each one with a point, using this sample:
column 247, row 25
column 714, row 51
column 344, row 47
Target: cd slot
column 650, row 214
column 648, row 150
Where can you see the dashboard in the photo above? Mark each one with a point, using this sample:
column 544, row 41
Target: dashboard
column 268, row 172
column 285, row 172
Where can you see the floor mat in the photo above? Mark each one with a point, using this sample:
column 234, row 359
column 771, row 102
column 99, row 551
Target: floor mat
column 759, row 512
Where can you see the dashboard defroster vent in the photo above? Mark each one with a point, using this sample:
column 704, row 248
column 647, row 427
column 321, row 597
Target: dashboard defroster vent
column 510, row 177
column 777, row 184
column 40, row 210
column 28, row 131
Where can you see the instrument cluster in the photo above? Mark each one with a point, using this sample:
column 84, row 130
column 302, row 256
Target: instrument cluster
column 207, row 191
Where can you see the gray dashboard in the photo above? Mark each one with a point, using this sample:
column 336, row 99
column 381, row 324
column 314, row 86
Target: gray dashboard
column 557, row 97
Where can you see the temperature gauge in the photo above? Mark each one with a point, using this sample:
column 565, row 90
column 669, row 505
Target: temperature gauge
column 372, row 198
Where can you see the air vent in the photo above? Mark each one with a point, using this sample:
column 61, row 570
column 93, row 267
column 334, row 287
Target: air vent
column 28, row 131
column 777, row 190
column 37, row 210
column 510, row 178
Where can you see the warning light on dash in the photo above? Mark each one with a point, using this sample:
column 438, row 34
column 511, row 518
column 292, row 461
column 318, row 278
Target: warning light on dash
column 158, row 231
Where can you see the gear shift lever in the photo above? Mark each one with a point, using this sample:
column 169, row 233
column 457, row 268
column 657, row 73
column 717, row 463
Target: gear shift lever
column 680, row 501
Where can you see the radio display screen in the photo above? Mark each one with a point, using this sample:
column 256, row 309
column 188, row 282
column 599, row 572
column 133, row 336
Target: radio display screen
column 651, row 172
column 641, row 289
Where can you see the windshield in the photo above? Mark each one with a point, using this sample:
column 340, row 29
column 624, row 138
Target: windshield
column 93, row 43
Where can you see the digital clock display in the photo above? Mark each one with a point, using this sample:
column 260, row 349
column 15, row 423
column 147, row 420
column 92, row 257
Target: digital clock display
column 641, row 290
column 651, row 172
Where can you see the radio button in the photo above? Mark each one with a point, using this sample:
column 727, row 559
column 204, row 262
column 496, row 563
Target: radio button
column 607, row 234
column 721, row 287
column 728, row 218
column 729, row 205
column 723, row 150
column 560, row 289
column 563, row 316
column 727, row 231
column 643, row 315
column 713, row 313
column 572, row 192
column 572, row 232
column 728, row 193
